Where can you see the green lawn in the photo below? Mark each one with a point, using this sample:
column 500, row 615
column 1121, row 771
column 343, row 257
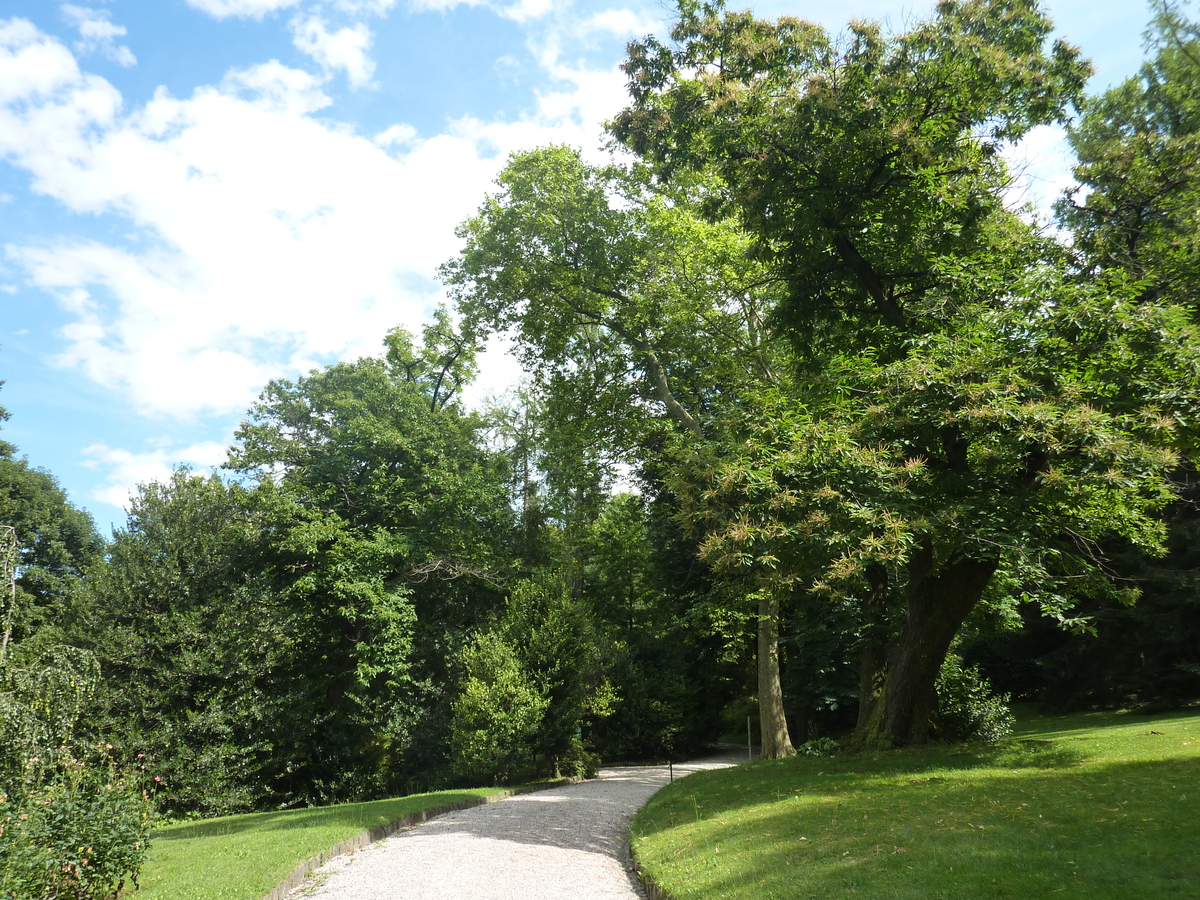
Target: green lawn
column 1092, row 806
column 244, row 857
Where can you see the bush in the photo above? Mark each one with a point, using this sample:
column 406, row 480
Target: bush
column 968, row 709
column 72, row 828
column 578, row 761
column 823, row 746
column 72, row 823
column 497, row 715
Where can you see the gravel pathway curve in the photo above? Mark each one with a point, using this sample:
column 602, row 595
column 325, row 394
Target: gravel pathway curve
column 567, row 843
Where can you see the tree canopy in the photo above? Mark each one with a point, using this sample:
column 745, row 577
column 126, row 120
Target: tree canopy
column 963, row 405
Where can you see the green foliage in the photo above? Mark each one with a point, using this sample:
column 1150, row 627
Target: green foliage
column 55, row 541
column 198, row 653
column 73, row 823
column 578, row 761
column 968, row 710
column 917, row 119
column 1138, row 146
column 558, row 646
column 963, row 401
column 823, row 746
column 636, row 316
column 497, row 715
column 291, row 642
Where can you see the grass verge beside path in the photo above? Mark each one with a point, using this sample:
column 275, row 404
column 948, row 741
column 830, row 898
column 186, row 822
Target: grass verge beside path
column 1102, row 806
column 244, row 857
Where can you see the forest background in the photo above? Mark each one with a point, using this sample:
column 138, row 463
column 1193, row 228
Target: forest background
column 889, row 448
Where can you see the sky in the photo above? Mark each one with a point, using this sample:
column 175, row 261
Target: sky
column 199, row 196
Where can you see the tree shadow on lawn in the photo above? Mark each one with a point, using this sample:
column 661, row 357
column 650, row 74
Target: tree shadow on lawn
column 369, row 814
column 751, row 785
column 1110, row 830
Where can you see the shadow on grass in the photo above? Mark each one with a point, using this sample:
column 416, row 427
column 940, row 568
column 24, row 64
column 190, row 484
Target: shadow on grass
column 1113, row 830
column 365, row 815
column 770, row 780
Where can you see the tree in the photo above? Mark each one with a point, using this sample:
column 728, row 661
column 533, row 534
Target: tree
column 1133, row 216
column 964, row 405
column 1138, row 151
column 203, row 664
column 389, row 524
column 55, row 542
column 497, row 714
column 635, row 317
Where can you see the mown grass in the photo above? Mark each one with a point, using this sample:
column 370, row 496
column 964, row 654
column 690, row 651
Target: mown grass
column 1098, row 806
column 244, row 857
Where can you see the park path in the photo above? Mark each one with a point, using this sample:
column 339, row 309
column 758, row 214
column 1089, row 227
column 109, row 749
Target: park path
column 567, row 843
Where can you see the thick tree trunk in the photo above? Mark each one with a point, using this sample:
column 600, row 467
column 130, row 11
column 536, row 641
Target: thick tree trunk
column 938, row 603
column 776, row 743
column 872, row 652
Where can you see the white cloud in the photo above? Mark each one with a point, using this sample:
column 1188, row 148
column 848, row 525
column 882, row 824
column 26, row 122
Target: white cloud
column 98, row 34
column 395, row 135
column 345, row 49
column 364, row 7
column 440, row 5
column 527, row 10
column 127, row 469
column 518, row 10
column 271, row 87
column 266, row 240
column 617, row 22
column 255, row 9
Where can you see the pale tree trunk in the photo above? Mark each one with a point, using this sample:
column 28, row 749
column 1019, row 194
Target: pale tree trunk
column 776, row 743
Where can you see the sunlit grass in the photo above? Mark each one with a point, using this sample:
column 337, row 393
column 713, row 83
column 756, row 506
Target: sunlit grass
column 1097, row 806
column 245, row 857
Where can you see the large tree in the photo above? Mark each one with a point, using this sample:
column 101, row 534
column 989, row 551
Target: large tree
column 203, row 665
column 967, row 406
column 388, row 529
column 636, row 318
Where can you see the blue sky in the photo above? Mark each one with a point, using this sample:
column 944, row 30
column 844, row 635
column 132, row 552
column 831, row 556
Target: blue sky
column 197, row 196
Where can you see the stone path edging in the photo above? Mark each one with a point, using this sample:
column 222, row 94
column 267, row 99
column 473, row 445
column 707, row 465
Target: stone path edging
column 300, row 874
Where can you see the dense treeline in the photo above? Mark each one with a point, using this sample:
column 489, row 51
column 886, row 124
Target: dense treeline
column 877, row 429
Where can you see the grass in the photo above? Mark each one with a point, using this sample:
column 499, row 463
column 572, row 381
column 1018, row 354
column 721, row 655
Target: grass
column 244, row 857
column 1098, row 806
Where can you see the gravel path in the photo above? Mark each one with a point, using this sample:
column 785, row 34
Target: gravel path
column 568, row 843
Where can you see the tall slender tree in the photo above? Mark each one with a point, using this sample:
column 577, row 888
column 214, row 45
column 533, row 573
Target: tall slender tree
column 636, row 318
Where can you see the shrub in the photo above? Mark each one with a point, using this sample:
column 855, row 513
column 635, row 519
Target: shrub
column 968, row 709
column 72, row 823
column 497, row 715
column 72, row 828
column 578, row 761
column 823, row 746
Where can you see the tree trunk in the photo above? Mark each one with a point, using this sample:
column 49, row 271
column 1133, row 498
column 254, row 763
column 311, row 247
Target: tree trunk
column 872, row 652
column 776, row 743
column 938, row 603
